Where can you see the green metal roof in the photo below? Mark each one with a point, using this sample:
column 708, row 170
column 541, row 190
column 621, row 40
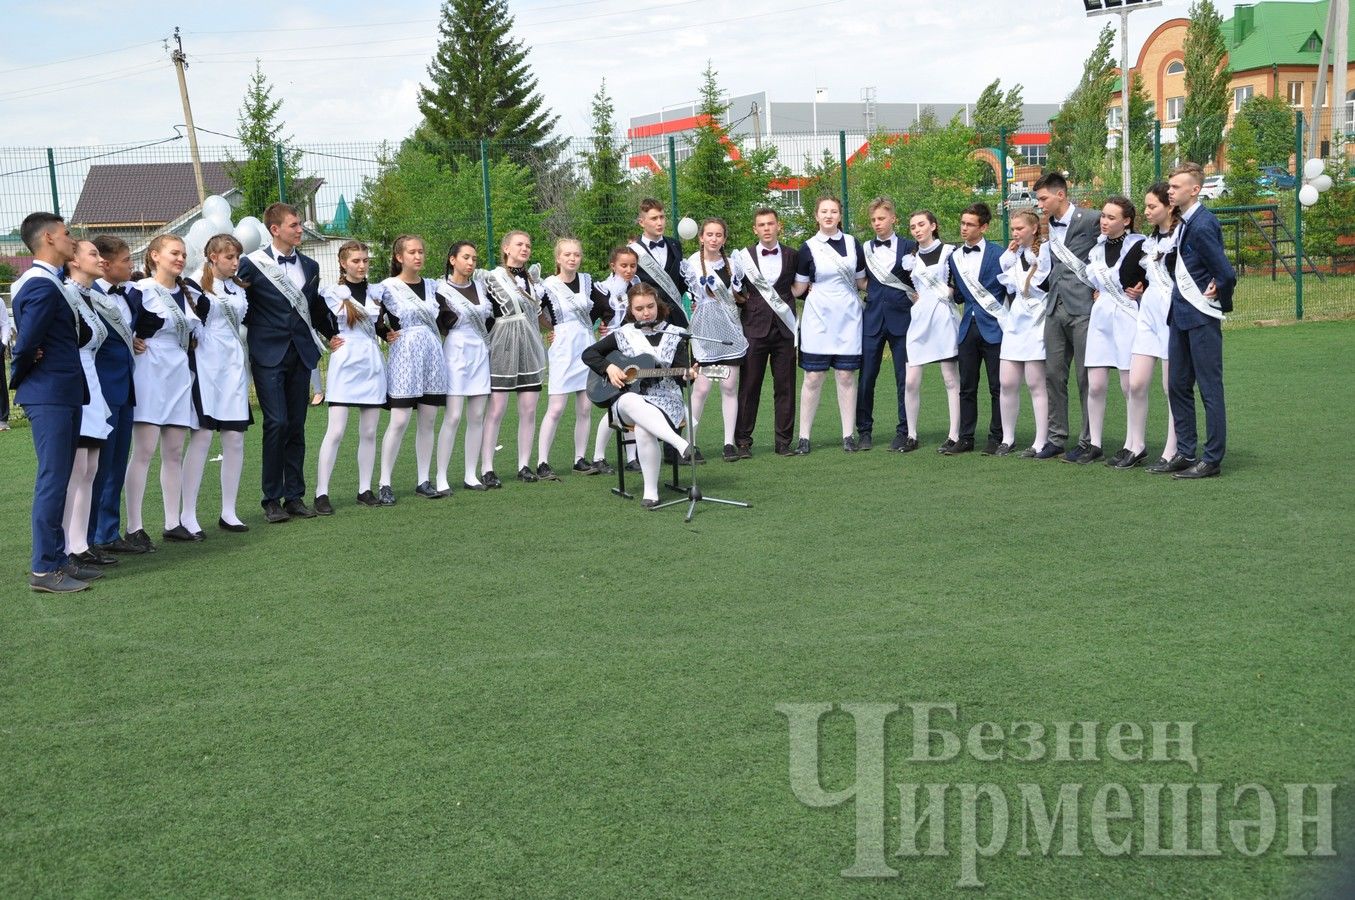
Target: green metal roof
column 1260, row 35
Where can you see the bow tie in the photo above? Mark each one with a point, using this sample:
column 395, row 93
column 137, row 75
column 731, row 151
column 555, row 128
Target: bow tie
column 876, row 242
column 1055, row 223
column 772, row 252
column 968, row 249
column 286, row 259
column 117, row 289
column 654, row 245
column 708, row 281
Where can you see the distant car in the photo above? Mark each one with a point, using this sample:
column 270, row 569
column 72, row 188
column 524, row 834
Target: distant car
column 1214, row 187
column 1020, row 198
column 1276, row 177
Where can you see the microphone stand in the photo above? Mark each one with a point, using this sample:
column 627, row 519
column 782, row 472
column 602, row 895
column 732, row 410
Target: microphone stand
column 694, row 495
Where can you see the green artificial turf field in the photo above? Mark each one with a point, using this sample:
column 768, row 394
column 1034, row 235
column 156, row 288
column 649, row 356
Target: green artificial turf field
column 547, row 691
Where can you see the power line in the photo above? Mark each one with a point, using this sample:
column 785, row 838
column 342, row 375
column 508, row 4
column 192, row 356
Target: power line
column 67, row 162
column 86, row 81
column 58, row 62
column 401, row 24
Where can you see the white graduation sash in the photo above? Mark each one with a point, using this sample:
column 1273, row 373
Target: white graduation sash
column 982, row 296
column 1069, row 259
column 345, row 293
column 1157, row 263
column 886, row 277
column 110, row 312
column 1190, row 290
column 411, row 300
column 1107, row 278
column 568, row 301
column 284, row 285
column 764, row 287
column 229, row 314
column 465, row 312
column 505, row 289
column 67, row 290
column 183, row 329
column 92, row 319
column 656, row 272
column 1032, row 304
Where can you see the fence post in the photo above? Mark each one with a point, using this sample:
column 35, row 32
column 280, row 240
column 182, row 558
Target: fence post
column 672, row 184
column 51, row 174
column 282, row 173
column 489, row 209
column 1298, row 214
column 1157, row 151
column 842, row 158
column 1002, row 193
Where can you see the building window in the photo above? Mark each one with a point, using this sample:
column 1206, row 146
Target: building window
column 1174, row 107
column 1296, row 93
column 1033, row 154
column 1314, row 44
column 1176, row 67
column 1240, row 96
column 1113, row 117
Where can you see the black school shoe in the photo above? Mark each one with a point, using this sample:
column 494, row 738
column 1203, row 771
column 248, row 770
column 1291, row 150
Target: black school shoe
column 1049, row 451
column 181, row 535
column 491, row 480
column 864, row 441
column 322, row 506
column 802, row 448
column 121, row 545
column 366, row 498
column 545, row 472
column 583, row 467
column 1177, row 463
column 298, row 510
column 730, row 453
column 1090, row 454
column 426, row 490
column 527, row 475
column 963, row 445
column 142, row 540
column 849, row 444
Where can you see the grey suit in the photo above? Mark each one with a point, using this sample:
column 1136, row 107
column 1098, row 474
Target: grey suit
column 1065, row 326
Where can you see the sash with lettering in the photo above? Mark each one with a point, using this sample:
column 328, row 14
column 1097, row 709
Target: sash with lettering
column 412, row 301
column 656, row 272
column 886, row 277
column 67, row 290
column 984, row 297
column 1191, row 291
column 92, row 317
column 568, row 301
column 345, row 294
column 228, row 313
column 274, row 273
column 1108, row 282
column 827, row 256
column 183, row 329
column 1157, row 263
column 768, row 292
column 930, row 276
column 465, row 312
column 1032, row 303
column 1069, row 259
column 505, row 288
column 113, row 315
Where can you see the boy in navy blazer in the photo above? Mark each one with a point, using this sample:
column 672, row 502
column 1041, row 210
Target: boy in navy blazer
column 1202, row 293
column 49, row 383
column 653, row 245
column 885, row 320
column 283, row 349
column 974, row 271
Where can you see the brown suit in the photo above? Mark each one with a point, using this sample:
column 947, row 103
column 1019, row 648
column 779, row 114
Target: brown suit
column 768, row 338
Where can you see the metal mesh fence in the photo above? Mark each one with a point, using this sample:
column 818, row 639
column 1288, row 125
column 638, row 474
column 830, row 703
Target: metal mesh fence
column 591, row 188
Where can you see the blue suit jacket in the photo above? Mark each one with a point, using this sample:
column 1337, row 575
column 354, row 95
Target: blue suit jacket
column 272, row 322
column 114, row 362
column 1201, row 248
column 989, row 270
column 886, row 307
column 44, row 321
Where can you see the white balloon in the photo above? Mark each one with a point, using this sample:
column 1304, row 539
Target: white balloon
column 1322, row 183
column 1313, row 168
column 219, row 225
column 248, row 236
column 251, row 222
column 193, row 267
column 198, row 234
column 216, row 207
column 687, row 228
column 264, row 237
column 1308, row 195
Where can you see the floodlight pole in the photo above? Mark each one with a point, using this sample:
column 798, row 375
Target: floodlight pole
column 1123, row 8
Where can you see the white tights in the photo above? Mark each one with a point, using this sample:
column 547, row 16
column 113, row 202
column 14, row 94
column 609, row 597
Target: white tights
column 395, row 436
column 171, row 440
column 1140, row 377
column 1098, row 385
column 729, row 400
column 1010, row 373
column 812, row 390
column 368, row 417
column 651, row 427
column 475, row 429
column 498, row 407
column 555, row 411
column 79, row 495
column 195, row 461
column 912, row 396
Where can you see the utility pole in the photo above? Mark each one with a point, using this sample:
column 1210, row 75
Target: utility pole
column 181, row 63
column 757, row 127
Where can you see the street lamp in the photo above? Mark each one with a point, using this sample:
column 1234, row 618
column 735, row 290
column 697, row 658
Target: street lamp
column 1122, row 8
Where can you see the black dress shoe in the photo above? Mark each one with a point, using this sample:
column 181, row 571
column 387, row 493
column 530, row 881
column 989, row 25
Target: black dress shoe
column 1028, row 453
column 298, row 510
column 634, row 464
column 527, row 476
column 945, row 447
column 699, row 458
column 784, row 450
column 322, row 506
column 367, row 498
column 864, row 441
column 141, row 540
column 199, row 535
column 425, row 489
column 1075, row 454
column 745, row 451
column 545, row 472
column 273, row 513
column 909, row 445
column 1129, row 460
column 1049, row 451
column 1201, row 469
column 74, row 570
column 730, row 453
column 849, row 444
column 692, row 456
column 1119, row 455
column 473, row 487
column 583, row 467
column 896, row 445
column 491, row 480
column 990, row 448
column 121, row 545
column 92, row 557
column 1003, row 449
column 1177, row 463
column 802, row 448
column 649, row 504
column 233, row 528
column 601, row 467
column 181, row 535
column 1090, row 454
column 385, row 496
column 963, row 445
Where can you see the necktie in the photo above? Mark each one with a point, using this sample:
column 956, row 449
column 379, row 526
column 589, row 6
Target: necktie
column 968, row 249
column 286, row 259
column 654, row 245
column 771, row 252
column 876, row 242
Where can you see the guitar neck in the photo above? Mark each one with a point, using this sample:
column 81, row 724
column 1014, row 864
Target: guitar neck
column 660, row 373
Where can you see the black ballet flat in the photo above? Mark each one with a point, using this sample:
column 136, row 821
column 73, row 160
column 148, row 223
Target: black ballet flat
column 181, row 535
column 473, row 487
column 235, row 529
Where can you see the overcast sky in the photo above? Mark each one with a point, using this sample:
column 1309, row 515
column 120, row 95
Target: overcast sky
column 347, row 73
